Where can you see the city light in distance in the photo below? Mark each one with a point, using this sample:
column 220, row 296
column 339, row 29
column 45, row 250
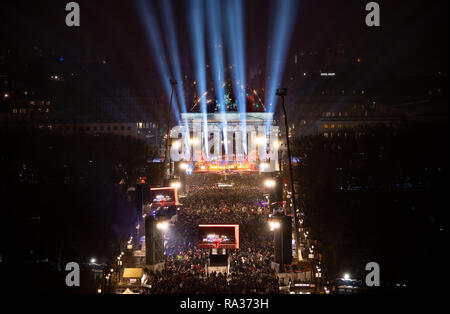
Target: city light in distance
column 184, row 166
column 93, row 260
column 175, row 184
column 346, row 276
column 263, row 166
column 327, row 74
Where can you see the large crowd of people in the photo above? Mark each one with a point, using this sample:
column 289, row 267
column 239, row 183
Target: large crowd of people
column 210, row 199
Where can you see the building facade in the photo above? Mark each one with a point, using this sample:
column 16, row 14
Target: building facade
column 229, row 140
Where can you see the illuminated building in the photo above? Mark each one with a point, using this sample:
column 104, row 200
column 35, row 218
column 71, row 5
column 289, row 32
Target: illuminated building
column 232, row 140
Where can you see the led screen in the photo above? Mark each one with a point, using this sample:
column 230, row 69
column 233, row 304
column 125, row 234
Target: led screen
column 218, row 236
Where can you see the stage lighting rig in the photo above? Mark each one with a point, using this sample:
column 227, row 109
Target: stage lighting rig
column 283, row 92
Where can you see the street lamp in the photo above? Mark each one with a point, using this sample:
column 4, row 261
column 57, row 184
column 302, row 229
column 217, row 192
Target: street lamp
column 270, row 183
column 274, row 224
column 162, row 225
column 346, row 276
column 93, row 260
column 282, row 92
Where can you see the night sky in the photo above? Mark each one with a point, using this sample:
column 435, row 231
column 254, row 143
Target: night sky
column 415, row 30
